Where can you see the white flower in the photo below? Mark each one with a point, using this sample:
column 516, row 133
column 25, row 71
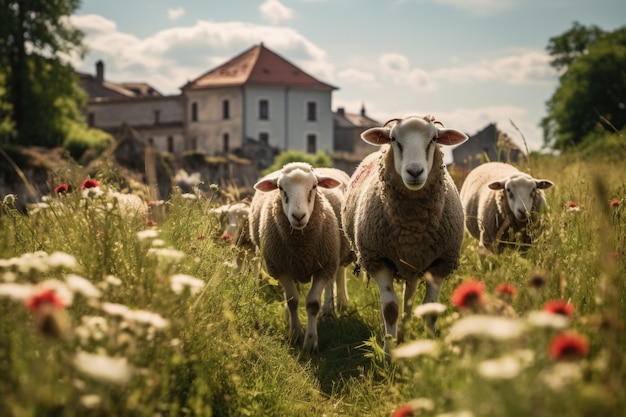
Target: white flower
column 506, row 367
column 496, row 328
column 115, row 309
column 429, row 309
column 92, row 192
column 180, row 281
column 158, row 243
column 82, row 286
column 90, row 400
column 9, row 199
column 415, row 348
column 113, row 280
column 17, row 292
column 463, row 413
column 148, row 234
column 103, row 367
column 148, row 317
column 189, row 196
column 9, row 276
column 166, row 254
column 561, row 374
column 60, row 289
column 62, row 260
column 545, row 319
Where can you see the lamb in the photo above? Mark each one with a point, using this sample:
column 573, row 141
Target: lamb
column 403, row 216
column 497, row 199
column 296, row 233
column 236, row 229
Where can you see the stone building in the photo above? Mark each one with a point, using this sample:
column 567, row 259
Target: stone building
column 488, row 145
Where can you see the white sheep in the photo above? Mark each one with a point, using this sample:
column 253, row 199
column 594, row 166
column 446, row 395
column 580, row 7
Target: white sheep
column 236, row 229
column 296, row 232
column 498, row 199
column 403, row 215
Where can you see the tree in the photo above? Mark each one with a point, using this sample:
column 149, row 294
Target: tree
column 591, row 97
column 41, row 98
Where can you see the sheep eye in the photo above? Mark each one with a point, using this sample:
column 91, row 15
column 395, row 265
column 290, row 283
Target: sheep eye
column 393, row 138
column 434, row 139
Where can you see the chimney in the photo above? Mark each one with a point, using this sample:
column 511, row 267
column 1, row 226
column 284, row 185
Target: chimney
column 100, row 71
column 363, row 109
column 341, row 111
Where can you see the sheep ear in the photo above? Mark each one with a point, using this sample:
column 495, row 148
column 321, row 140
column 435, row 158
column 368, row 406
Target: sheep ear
column 266, row 185
column 496, row 185
column 376, row 136
column 451, row 137
column 328, row 182
column 544, row 184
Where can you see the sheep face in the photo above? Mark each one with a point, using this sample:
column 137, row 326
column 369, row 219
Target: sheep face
column 298, row 188
column 521, row 192
column 414, row 141
column 237, row 217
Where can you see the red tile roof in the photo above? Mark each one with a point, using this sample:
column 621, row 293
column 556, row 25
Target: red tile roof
column 257, row 65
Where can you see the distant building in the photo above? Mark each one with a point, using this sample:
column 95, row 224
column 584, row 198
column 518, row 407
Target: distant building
column 257, row 96
column 488, row 145
column 348, row 128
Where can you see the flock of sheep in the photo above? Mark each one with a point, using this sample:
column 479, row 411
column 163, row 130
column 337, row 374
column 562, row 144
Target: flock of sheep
column 399, row 216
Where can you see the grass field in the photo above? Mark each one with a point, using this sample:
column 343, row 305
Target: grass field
column 105, row 314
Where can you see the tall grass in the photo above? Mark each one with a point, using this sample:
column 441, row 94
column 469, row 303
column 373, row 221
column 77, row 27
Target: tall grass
column 138, row 344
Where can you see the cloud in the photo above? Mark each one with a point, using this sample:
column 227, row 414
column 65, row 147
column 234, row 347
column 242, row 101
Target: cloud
column 357, row 76
column 174, row 14
column 275, row 11
column 480, row 7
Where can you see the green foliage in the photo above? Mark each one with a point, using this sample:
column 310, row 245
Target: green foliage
column 219, row 346
column 589, row 100
column 320, row 159
column 81, row 138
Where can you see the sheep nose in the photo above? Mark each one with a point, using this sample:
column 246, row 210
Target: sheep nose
column 298, row 216
column 415, row 172
column 522, row 214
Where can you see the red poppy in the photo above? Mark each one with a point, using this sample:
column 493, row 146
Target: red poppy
column 559, row 307
column 151, row 203
column 227, row 236
column 90, row 183
column 614, row 203
column 61, row 188
column 403, row 411
column 568, row 346
column 468, row 294
column 506, row 290
column 150, row 222
column 47, row 296
column 200, row 237
column 572, row 204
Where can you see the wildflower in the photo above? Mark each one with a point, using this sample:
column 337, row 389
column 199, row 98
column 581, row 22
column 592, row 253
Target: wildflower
column 561, row 374
column 166, row 254
column 113, row 280
column 227, row 236
column 61, row 189
column 495, row 328
column 158, row 243
column 50, row 315
column 82, row 286
column 9, row 199
column 614, row 203
column 572, row 206
column 90, row 400
column 537, row 280
column 47, row 296
column 103, row 367
column 62, row 260
column 415, row 348
column 559, row 307
column 214, row 188
column 550, row 320
column 17, row 292
column 150, row 222
column 506, row 367
column 147, row 317
column 147, row 234
column 468, row 295
column 89, row 183
column 403, row 411
column 506, row 291
column 429, row 309
column 181, row 281
column 200, row 237
column 568, row 346
column 115, row 309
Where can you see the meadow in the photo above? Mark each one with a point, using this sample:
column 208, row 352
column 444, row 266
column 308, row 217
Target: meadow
column 106, row 313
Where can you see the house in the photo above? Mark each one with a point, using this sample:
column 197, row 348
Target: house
column 348, row 128
column 488, row 145
column 257, row 96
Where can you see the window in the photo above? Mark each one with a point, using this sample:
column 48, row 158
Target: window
column 225, row 140
column 170, row 144
column 157, row 116
column 91, row 119
column 311, row 145
column 264, row 110
column 264, row 138
column 194, row 112
column 311, row 111
column 225, row 109
column 151, row 142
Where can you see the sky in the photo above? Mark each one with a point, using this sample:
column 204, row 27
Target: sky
column 466, row 62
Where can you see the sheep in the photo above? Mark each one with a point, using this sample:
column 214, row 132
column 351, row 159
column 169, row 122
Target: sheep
column 236, row 229
column 296, row 233
column 336, row 197
column 403, row 216
column 497, row 198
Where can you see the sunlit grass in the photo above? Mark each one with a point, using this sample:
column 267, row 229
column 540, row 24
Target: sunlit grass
column 151, row 320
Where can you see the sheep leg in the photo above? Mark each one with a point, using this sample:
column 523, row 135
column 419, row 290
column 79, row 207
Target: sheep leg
column 312, row 309
column 328, row 309
column 433, row 285
column 292, row 298
column 342, row 289
column 410, row 287
column 389, row 304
